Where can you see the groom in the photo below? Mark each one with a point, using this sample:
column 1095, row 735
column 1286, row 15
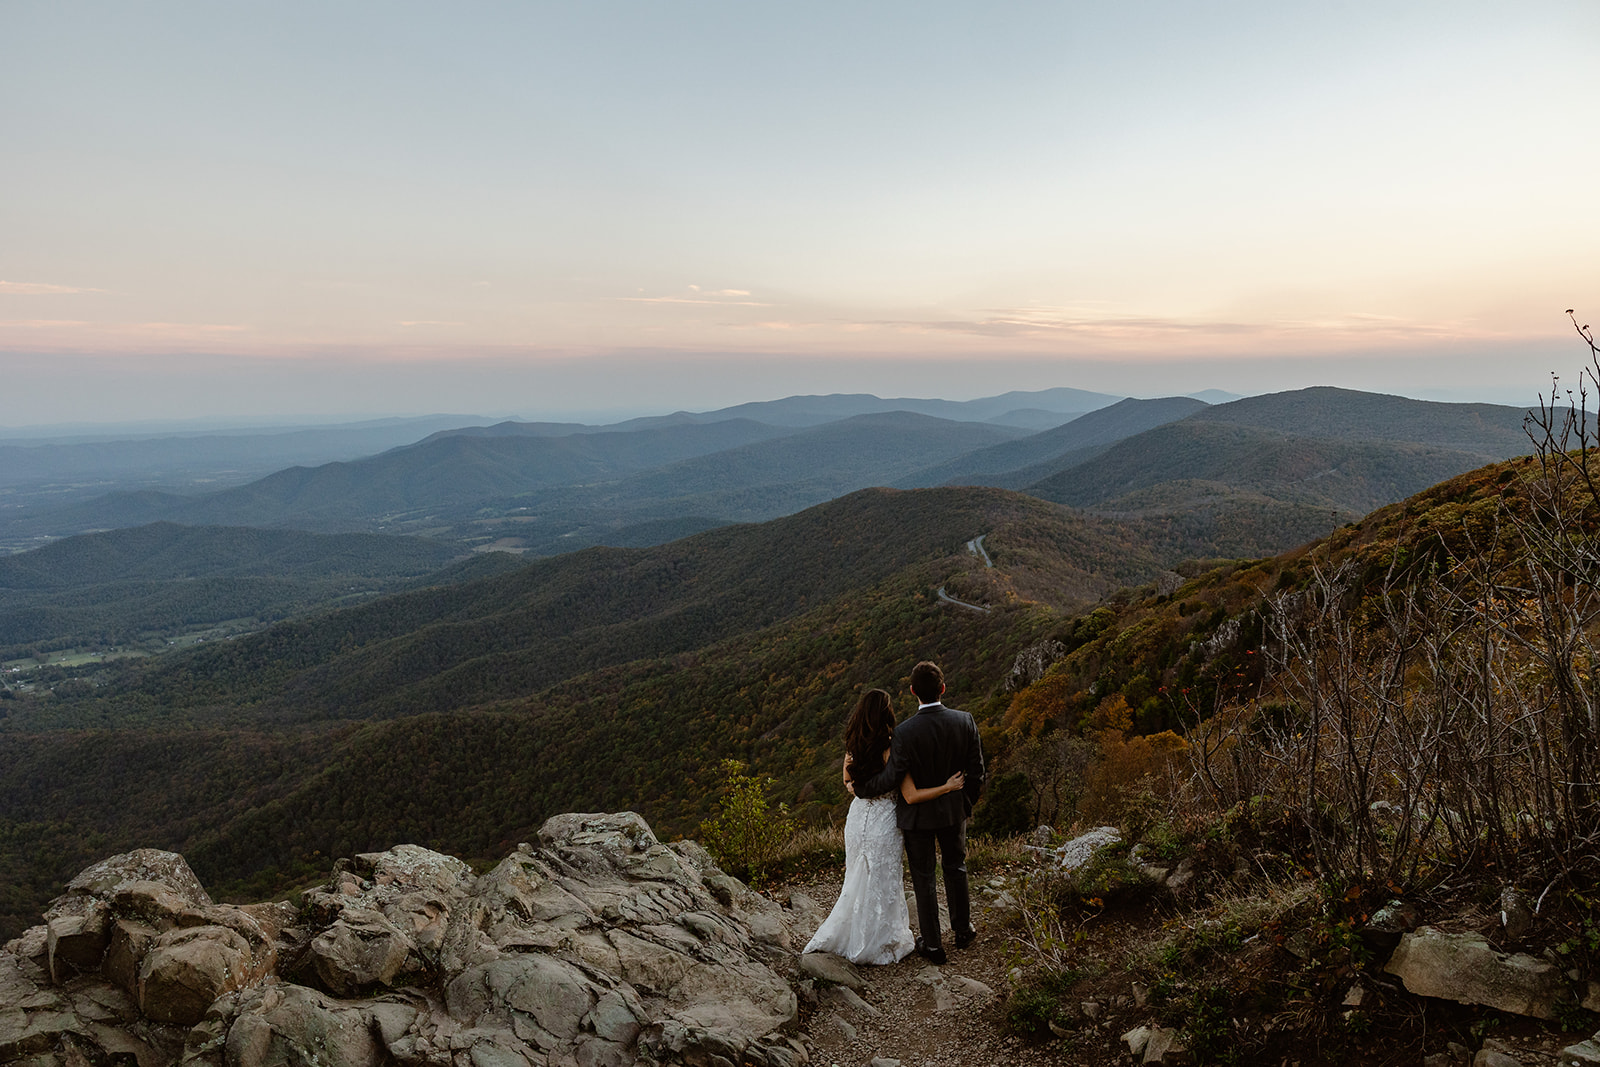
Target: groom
column 932, row 745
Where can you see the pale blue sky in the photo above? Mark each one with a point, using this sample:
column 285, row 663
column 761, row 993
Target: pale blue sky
column 245, row 209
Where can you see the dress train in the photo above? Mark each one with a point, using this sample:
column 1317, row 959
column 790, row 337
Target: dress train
column 870, row 922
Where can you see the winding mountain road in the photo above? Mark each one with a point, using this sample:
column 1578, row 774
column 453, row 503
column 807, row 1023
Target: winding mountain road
column 948, row 599
column 975, row 546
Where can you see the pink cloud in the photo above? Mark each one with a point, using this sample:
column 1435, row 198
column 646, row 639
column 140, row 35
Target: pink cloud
column 701, row 296
column 690, row 300
column 181, row 328
column 41, row 289
column 1053, row 324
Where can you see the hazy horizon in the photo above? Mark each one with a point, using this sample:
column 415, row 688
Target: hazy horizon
column 194, row 425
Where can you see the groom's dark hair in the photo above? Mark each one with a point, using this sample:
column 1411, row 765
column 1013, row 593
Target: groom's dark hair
column 927, row 681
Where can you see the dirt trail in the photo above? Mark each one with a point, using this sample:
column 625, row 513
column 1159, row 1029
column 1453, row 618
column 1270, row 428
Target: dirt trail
column 920, row 1015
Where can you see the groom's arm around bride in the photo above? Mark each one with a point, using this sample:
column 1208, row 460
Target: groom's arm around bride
column 932, row 745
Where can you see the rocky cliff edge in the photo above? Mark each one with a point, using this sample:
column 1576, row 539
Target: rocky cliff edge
column 600, row 947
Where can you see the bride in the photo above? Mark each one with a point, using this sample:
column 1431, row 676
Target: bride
column 870, row 922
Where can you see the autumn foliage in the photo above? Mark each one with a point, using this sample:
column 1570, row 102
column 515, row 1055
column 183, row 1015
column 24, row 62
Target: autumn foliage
column 1126, row 763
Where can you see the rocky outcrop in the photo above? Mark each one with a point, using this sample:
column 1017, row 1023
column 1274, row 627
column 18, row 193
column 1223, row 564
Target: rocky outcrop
column 1073, row 854
column 600, row 947
column 1155, row 1044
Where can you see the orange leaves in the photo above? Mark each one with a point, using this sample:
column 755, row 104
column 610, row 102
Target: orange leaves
column 1036, row 706
column 1112, row 713
column 1126, row 763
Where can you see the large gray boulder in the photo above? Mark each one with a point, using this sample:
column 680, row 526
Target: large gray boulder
column 1466, row 969
column 43, row 1023
column 360, row 951
column 602, row 947
column 147, row 865
column 1071, row 855
column 183, row 971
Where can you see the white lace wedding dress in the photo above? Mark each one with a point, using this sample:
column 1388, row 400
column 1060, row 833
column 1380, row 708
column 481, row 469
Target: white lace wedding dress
column 870, row 923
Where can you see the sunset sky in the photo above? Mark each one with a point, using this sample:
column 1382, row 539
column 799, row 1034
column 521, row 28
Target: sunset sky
column 338, row 209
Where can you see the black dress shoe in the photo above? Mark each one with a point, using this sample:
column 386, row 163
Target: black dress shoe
column 934, row 955
column 965, row 940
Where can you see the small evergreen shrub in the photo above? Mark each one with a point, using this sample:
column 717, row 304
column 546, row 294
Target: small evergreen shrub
column 746, row 834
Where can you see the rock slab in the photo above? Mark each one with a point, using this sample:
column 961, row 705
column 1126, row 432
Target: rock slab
column 1466, row 969
column 835, row 970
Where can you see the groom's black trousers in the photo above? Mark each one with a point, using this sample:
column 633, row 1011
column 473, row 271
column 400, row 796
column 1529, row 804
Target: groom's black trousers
column 920, row 857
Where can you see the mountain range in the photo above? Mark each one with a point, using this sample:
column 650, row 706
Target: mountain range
column 443, row 477
column 1249, row 477
column 547, row 488
column 1243, row 478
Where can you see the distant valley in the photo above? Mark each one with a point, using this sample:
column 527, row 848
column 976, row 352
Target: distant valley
column 138, row 590
column 48, row 472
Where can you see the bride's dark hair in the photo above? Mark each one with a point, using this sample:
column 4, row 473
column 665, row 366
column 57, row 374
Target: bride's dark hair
column 867, row 732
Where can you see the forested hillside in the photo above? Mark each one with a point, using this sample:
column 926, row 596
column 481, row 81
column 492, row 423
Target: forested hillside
column 558, row 685
column 1353, row 476
column 164, row 551
column 1384, row 620
column 1014, row 464
column 1349, row 415
column 442, row 648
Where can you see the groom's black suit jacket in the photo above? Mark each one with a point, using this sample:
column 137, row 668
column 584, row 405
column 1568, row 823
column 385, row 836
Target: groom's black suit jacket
column 933, row 744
